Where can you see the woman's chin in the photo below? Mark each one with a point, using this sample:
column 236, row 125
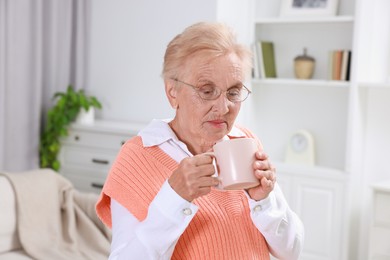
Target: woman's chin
column 215, row 136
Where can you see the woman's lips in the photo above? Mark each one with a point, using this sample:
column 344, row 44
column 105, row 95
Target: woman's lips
column 218, row 123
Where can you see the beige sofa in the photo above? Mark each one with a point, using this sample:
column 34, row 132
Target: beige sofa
column 43, row 217
column 10, row 247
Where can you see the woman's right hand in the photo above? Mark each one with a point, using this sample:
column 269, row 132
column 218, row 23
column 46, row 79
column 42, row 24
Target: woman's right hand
column 193, row 178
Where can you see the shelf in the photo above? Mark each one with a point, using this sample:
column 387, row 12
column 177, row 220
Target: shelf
column 374, row 85
column 108, row 126
column 289, row 20
column 383, row 186
column 301, row 82
column 291, row 38
column 310, row 171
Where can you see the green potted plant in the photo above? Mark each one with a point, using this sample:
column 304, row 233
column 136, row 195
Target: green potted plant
column 68, row 105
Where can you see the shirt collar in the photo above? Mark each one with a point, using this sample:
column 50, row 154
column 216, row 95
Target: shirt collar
column 158, row 131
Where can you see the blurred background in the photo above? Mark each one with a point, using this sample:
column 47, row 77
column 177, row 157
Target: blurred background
column 114, row 51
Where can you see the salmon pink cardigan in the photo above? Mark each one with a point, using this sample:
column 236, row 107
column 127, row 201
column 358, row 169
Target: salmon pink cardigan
column 221, row 229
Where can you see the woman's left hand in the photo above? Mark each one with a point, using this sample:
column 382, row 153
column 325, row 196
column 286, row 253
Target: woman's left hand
column 265, row 172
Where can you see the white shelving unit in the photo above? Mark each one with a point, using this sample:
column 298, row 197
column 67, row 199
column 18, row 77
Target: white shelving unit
column 289, row 104
column 284, row 105
column 318, row 35
column 350, row 121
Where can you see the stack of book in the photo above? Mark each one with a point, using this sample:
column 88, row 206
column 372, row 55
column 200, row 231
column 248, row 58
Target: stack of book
column 264, row 60
column 340, row 65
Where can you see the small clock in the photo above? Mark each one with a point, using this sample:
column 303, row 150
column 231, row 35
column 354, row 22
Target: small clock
column 300, row 148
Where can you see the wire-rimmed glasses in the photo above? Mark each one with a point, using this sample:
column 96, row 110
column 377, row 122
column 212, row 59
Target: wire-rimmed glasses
column 234, row 94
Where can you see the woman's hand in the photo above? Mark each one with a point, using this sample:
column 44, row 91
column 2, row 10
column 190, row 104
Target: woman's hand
column 193, row 178
column 265, row 172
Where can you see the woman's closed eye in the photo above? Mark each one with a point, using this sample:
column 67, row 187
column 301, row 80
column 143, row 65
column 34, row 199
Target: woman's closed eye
column 233, row 92
column 208, row 91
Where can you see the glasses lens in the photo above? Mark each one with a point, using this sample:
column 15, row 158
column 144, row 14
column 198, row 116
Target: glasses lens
column 237, row 94
column 211, row 92
column 208, row 92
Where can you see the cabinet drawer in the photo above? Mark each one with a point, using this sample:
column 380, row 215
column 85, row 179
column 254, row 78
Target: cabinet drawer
column 93, row 175
column 93, row 159
column 382, row 209
column 85, row 183
column 95, row 139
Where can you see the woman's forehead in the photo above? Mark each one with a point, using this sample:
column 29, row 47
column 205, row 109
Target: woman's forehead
column 205, row 67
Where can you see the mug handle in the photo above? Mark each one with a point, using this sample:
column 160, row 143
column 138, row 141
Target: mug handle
column 212, row 154
column 216, row 174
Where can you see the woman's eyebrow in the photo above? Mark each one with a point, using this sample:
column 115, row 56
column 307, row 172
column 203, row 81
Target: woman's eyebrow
column 206, row 81
column 237, row 85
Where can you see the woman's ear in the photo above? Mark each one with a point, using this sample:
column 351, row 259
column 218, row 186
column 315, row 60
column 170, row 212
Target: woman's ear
column 171, row 92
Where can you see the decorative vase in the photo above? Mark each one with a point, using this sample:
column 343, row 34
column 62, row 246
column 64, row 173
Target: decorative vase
column 304, row 66
column 86, row 117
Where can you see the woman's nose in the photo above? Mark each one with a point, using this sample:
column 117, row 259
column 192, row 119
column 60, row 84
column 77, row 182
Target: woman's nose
column 222, row 104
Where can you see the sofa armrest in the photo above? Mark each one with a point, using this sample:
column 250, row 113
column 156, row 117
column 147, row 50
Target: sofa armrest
column 8, row 232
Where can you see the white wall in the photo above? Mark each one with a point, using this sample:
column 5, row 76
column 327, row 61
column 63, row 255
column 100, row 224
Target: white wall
column 128, row 41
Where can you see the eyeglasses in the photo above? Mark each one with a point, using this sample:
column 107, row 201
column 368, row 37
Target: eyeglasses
column 234, row 94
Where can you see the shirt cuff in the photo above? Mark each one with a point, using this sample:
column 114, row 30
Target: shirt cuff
column 173, row 206
column 257, row 207
column 168, row 217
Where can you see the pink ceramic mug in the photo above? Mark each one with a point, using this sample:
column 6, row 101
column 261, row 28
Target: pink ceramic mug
column 235, row 159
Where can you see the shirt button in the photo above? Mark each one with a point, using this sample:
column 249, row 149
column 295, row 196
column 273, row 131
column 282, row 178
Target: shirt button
column 257, row 208
column 187, row 211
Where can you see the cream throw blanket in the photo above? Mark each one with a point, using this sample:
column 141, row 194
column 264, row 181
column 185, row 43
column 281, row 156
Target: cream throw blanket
column 54, row 220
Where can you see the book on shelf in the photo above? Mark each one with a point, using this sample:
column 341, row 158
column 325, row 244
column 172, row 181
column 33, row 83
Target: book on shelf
column 268, row 59
column 340, row 65
column 337, row 60
column 260, row 60
column 265, row 59
column 348, row 72
column 256, row 68
column 344, row 65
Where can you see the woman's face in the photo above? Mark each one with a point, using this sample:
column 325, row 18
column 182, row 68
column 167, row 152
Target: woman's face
column 200, row 123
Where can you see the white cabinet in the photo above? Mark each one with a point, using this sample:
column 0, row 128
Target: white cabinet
column 318, row 195
column 380, row 222
column 89, row 151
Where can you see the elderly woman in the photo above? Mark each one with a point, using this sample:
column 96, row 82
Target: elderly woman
column 160, row 197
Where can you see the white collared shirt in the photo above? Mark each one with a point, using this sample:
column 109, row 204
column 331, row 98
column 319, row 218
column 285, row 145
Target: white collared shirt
column 169, row 214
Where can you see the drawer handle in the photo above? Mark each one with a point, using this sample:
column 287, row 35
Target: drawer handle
column 97, row 185
column 100, row 161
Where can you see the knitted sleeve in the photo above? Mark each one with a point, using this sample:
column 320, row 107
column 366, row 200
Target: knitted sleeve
column 134, row 179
